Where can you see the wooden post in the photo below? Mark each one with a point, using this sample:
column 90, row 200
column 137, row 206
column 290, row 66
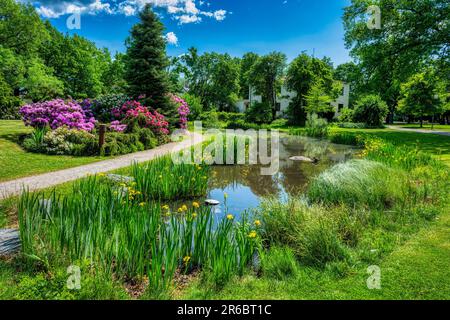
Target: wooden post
column 101, row 136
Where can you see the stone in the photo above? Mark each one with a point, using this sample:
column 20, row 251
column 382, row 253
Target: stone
column 211, row 202
column 304, row 159
column 117, row 178
column 9, row 241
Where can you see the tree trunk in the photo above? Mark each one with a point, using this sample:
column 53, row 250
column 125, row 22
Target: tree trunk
column 421, row 121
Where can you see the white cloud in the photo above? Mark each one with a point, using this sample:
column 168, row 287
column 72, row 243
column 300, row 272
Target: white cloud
column 184, row 11
column 172, row 38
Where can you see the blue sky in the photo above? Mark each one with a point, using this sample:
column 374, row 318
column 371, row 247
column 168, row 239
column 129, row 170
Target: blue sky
column 233, row 26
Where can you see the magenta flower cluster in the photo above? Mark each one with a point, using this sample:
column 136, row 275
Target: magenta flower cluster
column 153, row 120
column 183, row 110
column 57, row 113
column 117, row 126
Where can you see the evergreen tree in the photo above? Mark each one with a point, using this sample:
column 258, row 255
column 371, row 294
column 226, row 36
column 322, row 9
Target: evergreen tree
column 147, row 62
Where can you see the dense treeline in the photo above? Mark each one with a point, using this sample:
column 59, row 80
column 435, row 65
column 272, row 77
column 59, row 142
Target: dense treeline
column 406, row 64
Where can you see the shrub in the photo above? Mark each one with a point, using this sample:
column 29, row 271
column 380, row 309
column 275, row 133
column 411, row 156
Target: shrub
column 35, row 142
column 259, row 113
column 103, row 106
column 346, row 115
column 347, row 138
column 351, row 125
column 183, row 110
column 119, row 143
column 230, row 116
column 57, row 113
column 210, row 120
column 371, row 110
column 279, row 263
column 359, row 183
column 279, row 123
column 243, row 124
column 65, row 141
column 138, row 116
column 195, row 105
column 316, row 127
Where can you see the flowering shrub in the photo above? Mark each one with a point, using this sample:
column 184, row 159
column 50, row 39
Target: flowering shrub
column 104, row 106
column 183, row 110
column 64, row 141
column 120, row 113
column 117, row 126
column 144, row 118
column 57, row 113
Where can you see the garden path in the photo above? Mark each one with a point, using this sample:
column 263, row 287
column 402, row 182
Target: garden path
column 42, row 181
column 442, row 133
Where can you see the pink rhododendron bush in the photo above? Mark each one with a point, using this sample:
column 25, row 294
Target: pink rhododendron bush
column 57, row 113
column 135, row 127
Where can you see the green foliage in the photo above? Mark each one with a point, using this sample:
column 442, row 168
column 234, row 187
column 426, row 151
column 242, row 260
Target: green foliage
column 210, row 120
column 127, row 238
column 247, row 62
column 317, row 100
column 212, row 77
column 359, row 182
column 162, row 179
column 117, row 143
column 40, row 84
column 302, row 73
column 279, row 263
column 195, row 106
column 371, row 110
column 146, row 62
column 62, row 141
column 265, row 77
column 316, row 127
column 346, row 115
column 422, row 95
column 259, row 113
column 9, row 105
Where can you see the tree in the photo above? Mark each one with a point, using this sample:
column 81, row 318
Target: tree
column 414, row 34
column 351, row 74
column 422, row 95
column 317, row 100
column 40, row 84
column 147, row 62
column 247, row 62
column 265, row 77
column 371, row 110
column 212, row 77
column 113, row 77
column 302, row 73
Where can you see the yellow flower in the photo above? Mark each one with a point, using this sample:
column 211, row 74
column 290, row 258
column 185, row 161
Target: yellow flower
column 142, row 204
column 195, row 204
column 180, row 210
column 165, row 207
column 194, row 215
column 257, row 223
column 230, row 217
column 186, row 260
column 225, row 195
column 101, row 174
column 252, row 234
column 184, row 207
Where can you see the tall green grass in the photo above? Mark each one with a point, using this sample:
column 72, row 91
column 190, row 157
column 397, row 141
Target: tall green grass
column 162, row 179
column 129, row 239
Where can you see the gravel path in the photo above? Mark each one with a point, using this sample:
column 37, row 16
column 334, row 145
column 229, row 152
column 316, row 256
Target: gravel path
column 442, row 133
column 15, row 187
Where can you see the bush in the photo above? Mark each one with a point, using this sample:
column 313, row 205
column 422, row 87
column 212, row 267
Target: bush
column 65, row 141
column 279, row 263
column 347, row 138
column 351, row 125
column 359, row 183
column 195, row 104
column 279, row 123
column 243, row 124
column 119, row 143
column 210, row 120
column 259, row 113
column 316, row 127
column 346, row 115
column 103, row 106
column 230, row 116
column 371, row 110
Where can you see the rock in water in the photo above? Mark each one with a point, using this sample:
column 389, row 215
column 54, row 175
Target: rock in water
column 9, row 241
column 304, row 159
column 212, row 202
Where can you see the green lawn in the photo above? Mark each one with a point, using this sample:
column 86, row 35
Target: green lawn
column 436, row 127
column 16, row 162
column 434, row 144
column 417, row 270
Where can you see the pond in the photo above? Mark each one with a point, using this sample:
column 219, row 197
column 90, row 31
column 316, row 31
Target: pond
column 245, row 186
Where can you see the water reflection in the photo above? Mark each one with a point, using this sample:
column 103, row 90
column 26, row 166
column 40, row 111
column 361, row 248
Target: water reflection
column 246, row 186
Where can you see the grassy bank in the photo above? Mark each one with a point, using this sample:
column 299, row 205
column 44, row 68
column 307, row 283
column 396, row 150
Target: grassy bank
column 17, row 163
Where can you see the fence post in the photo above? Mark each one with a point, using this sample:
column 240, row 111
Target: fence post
column 101, row 136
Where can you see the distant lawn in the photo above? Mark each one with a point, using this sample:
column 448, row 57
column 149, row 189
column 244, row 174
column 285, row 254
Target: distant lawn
column 434, row 144
column 436, row 127
column 17, row 163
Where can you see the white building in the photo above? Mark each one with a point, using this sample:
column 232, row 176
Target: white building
column 286, row 96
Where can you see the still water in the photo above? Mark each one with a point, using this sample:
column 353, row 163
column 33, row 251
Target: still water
column 245, row 186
